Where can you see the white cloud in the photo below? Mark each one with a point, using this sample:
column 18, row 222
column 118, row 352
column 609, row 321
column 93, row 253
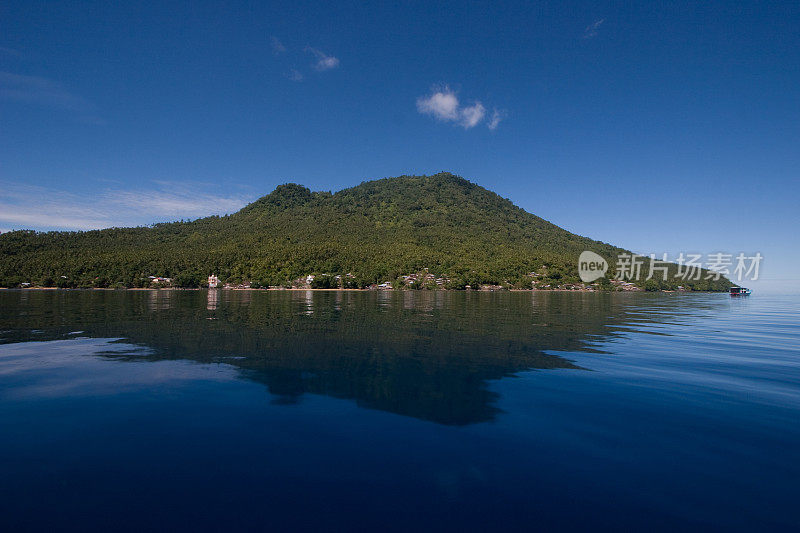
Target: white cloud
column 174, row 200
column 472, row 115
column 324, row 61
column 29, row 206
column 443, row 104
column 495, row 119
column 34, row 207
column 277, row 46
column 591, row 29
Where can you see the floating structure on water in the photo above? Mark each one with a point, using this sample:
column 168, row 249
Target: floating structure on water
column 740, row 291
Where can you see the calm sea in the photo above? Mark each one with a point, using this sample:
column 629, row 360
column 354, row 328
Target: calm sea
column 221, row 410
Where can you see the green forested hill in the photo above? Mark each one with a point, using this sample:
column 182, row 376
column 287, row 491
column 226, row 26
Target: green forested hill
column 376, row 231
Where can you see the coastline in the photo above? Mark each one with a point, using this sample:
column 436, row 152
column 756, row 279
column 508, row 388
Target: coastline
column 296, row 289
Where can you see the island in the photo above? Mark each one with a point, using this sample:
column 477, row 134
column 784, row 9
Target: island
column 435, row 232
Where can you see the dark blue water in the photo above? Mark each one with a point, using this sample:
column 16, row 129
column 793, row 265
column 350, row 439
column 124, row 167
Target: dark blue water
column 397, row 411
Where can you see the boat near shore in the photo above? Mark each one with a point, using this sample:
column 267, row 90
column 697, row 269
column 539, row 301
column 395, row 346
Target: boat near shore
column 740, row 291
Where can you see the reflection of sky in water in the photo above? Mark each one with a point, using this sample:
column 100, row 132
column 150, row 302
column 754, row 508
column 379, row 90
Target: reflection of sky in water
column 86, row 367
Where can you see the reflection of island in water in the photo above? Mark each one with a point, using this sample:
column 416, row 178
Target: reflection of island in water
column 425, row 355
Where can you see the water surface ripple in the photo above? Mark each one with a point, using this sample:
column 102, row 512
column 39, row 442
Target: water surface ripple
column 217, row 410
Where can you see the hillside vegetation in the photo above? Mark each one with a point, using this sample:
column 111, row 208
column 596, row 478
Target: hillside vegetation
column 375, row 232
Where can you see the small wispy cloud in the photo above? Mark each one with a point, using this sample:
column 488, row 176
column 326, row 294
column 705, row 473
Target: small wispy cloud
column 35, row 207
column 472, row 115
column 45, row 92
column 495, row 119
column 295, row 75
column 174, row 200
column 30, row 206
column 443, row 105
column 591, row 29
column 277, row 46
column 323, row 60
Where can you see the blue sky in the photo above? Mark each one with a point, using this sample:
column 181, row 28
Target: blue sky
column 658, row 128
